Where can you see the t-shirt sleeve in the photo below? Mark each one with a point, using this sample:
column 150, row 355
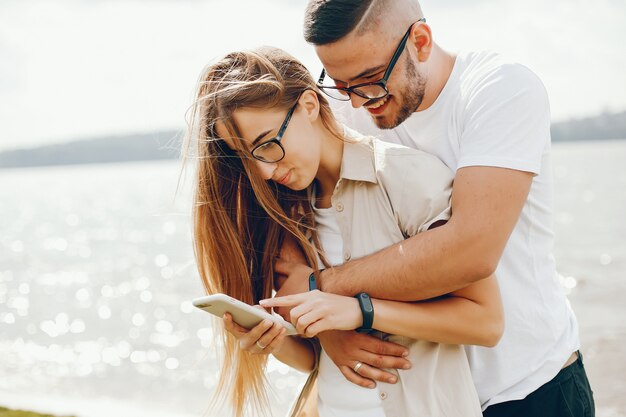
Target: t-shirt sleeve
column 506, row 122
column 419, row 188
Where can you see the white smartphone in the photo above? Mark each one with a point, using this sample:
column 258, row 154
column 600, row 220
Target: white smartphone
column 243, row 314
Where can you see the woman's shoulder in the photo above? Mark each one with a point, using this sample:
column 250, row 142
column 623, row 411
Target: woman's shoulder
column 384, row 151
column 393, row 159
column 417, row 184
column 397, row 163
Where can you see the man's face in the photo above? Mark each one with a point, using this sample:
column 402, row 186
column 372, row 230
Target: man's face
column 360, row 59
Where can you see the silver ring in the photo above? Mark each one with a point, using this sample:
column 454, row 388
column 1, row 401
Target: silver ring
column 357, row 366
column 260, row 346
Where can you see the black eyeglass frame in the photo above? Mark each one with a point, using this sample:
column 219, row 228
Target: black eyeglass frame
column 276, row 139
column 381, row 83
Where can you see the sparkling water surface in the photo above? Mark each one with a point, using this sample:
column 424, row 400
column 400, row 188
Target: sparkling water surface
column 97, row 273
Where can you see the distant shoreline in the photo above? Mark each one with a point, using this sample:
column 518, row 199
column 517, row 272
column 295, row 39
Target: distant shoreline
column 165, row 145
column 173, row 158
column 130, row 148
column 7, row 412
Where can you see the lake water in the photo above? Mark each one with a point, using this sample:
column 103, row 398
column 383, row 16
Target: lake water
column 97, row 270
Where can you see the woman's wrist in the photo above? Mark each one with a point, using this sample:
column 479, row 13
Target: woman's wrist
column 358, row 316
column 296, row 352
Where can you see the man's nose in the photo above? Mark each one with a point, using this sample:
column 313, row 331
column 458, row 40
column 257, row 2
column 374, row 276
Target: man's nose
column 266, row 169
column 357, row 101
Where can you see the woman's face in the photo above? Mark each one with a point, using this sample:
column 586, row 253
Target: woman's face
column 300, row 140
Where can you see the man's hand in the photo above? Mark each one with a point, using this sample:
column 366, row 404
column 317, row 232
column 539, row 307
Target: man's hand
column 347, row 348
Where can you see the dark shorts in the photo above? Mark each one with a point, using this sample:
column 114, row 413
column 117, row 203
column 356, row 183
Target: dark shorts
column 567, row 395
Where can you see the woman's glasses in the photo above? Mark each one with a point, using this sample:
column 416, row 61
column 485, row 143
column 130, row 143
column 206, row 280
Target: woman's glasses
column 272, row 150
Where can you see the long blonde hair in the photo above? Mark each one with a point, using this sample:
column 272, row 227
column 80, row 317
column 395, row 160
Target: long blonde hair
column 241, row 220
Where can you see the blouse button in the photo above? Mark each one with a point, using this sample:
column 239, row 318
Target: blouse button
column 339, row 207
column 383, row 395
column 347, row 256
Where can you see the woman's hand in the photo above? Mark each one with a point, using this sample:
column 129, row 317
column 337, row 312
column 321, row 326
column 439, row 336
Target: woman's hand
column 265, row 338
column 315, row 311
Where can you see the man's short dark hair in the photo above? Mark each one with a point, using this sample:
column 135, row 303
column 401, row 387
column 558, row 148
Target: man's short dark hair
column 327, row 21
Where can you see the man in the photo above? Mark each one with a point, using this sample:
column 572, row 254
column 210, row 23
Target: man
column 489, row 121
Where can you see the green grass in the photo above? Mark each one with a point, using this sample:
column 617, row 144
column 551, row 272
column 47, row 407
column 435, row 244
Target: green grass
column 5, row 412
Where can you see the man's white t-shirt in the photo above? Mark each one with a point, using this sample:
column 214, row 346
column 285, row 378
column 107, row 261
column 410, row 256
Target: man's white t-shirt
column 495, row 113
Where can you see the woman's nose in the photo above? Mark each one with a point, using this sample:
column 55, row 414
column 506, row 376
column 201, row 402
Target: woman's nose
column 266, row 169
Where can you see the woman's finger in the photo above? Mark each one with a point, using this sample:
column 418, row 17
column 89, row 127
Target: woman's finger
column 318, row 326
column 260, row 307
column 278, row 341
column 248, row 340
column 233, row 327
column 268, row 338
column 307, row 320
column 297, row 313
column 285, row 301
column 260, row 329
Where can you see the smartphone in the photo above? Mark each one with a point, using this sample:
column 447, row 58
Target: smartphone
column 243, row 314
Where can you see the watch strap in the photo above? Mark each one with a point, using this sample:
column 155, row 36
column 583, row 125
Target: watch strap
column 367, row 310
column 313, row 281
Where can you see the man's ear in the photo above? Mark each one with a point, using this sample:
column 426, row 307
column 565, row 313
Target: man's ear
column 311, row 104
column 421, row 38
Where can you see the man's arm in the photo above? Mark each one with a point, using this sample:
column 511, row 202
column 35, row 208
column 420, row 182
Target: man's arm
column 486, row 203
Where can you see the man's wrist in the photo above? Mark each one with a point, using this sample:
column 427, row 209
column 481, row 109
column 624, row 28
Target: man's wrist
column 319, row 279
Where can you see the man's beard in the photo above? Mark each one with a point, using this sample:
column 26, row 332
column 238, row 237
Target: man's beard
column 410, row 99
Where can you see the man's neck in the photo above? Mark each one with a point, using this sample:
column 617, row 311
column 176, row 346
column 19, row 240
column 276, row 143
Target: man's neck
column 439, row 69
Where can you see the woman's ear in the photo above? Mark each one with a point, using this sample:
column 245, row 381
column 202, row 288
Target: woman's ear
column 311, row 104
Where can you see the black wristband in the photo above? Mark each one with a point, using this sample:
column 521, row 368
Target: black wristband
column 312, row 281
column 367, row 310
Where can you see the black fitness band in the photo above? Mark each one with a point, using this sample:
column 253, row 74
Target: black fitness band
column 367, row 310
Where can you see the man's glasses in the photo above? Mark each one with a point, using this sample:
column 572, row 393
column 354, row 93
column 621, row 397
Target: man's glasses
column 373, row 90
column 272, row 150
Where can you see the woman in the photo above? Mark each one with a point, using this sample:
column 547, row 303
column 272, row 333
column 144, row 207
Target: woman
column 275, row 166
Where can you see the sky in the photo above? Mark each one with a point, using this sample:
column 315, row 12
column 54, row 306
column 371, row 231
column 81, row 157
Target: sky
column 72, row 69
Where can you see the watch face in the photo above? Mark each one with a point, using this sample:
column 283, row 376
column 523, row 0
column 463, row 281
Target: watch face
column 367, row 301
